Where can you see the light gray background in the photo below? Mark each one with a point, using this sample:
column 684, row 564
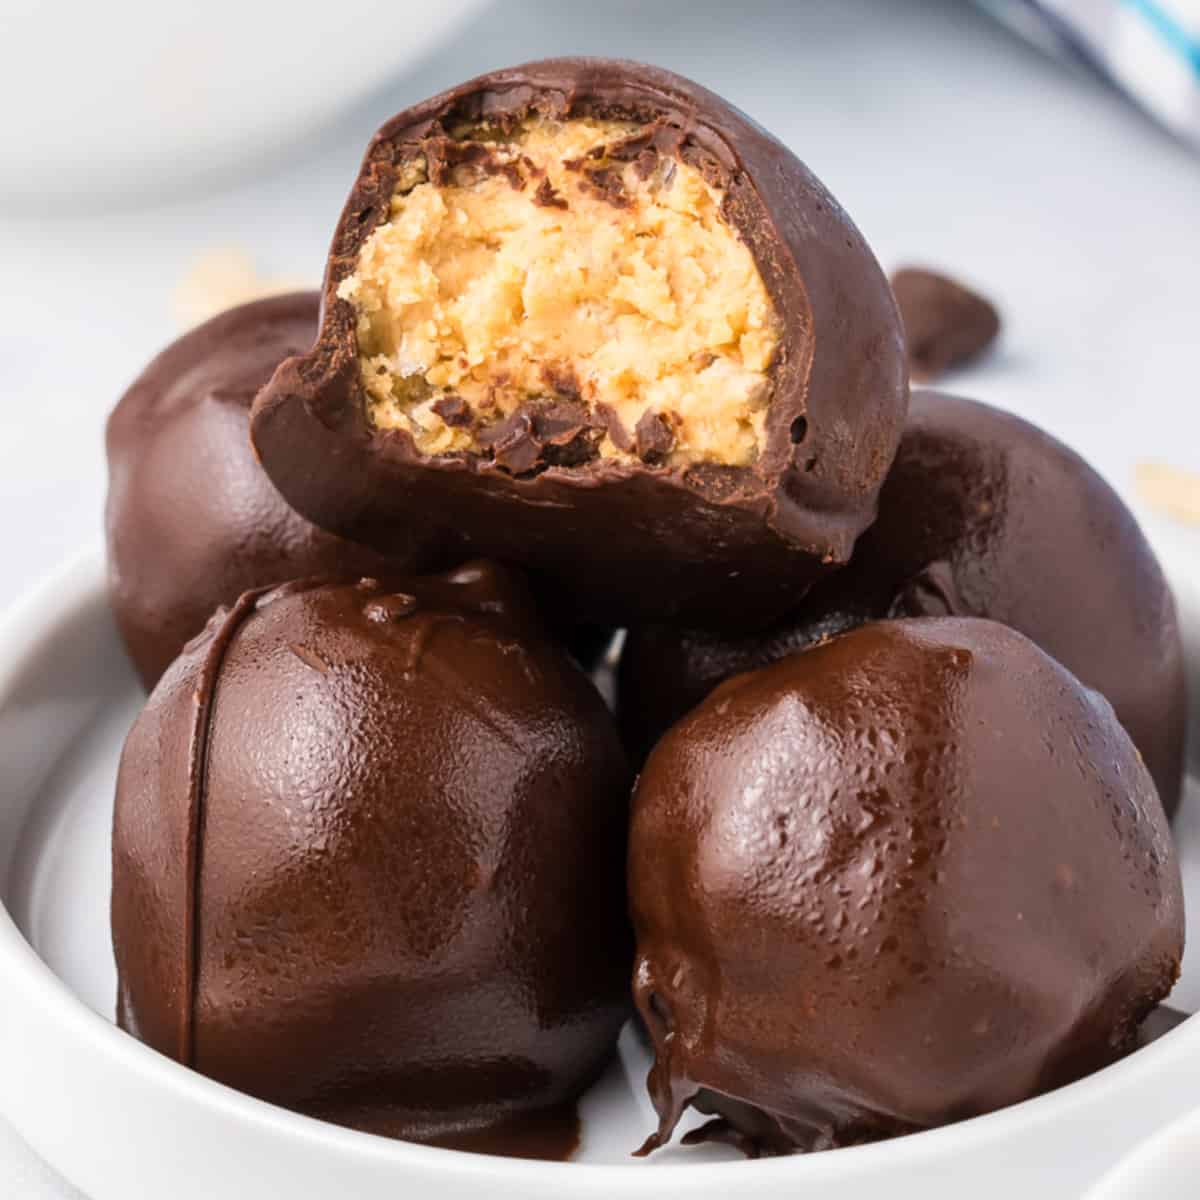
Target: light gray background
column 949, row 141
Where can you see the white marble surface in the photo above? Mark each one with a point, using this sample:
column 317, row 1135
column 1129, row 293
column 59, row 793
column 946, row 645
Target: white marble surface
column 949, row 142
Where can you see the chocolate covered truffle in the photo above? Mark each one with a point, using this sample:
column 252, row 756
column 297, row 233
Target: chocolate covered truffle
column 903, row 878
column 368, row 859
column 192, row 520
column 585, row 316
column 982, row 515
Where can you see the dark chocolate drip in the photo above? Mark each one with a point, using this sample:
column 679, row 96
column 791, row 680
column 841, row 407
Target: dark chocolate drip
column 669, row 1088
column 551, row 1135
column 205, row 694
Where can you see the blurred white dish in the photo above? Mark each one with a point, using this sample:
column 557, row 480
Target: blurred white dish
column 1165, row 1167
column 119, row 1120
column 130, row 97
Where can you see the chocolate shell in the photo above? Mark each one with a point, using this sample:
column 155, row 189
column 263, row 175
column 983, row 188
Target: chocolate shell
column 192, row 521
column 906, row 877
column 628, row 523
column 368, row 859
column 982, row 515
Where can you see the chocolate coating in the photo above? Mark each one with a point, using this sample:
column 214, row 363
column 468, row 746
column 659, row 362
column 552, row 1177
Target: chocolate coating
column 982, row 515
column 368, row 859
column 192, row 521
column 906, row 877
column 599, row 529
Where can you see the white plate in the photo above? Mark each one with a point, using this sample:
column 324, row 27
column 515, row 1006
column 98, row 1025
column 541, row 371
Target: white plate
column 121, row 1121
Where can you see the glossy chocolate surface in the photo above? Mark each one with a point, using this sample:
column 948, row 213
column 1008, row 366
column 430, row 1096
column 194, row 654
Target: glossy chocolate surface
column 982, row 515
column 368, row 860
column 622, row 540
column 909, row 876
column 192, row 520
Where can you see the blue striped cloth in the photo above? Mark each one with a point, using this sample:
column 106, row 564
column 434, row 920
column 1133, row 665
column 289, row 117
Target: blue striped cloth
column 1150, row 49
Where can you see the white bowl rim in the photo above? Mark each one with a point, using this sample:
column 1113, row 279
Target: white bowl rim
column 1131, row 1171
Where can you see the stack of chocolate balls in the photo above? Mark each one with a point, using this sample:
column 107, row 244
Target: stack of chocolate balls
column 901, row 684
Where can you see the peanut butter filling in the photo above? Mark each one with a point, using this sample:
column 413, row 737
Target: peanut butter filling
column 562, row 292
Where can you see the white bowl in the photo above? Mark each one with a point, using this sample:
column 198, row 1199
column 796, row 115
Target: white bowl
column 1165, row 1167
column 121, row 1121
column 127, row 97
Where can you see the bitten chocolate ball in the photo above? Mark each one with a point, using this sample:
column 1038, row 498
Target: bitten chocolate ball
column 906, row 877
column 585, row 316
column 982, row 515
column 368, row 858
column 192, row 520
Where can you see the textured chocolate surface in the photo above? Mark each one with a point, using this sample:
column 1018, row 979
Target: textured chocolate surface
column 906, row 877
column 945, row 324
column 192, row 520
column 982, row 515
column 599, row 530
column 368, row 860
